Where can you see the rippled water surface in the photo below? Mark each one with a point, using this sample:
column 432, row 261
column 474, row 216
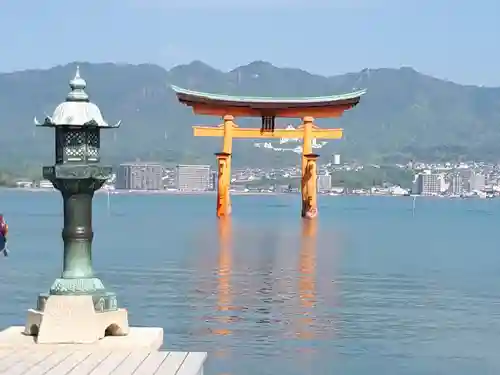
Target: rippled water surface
column 369, row 289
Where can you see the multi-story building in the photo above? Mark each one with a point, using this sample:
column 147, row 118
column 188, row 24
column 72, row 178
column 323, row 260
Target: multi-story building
column 193, row 177
column 324, row 182
column 140, row 176
column 213, row 180
column 477, row 182
column 428, row 184
column 456, row 184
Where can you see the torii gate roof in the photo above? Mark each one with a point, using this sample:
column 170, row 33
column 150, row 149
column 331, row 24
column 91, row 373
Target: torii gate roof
column 220, row 104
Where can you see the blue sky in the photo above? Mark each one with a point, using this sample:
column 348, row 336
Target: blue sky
column 452, row 39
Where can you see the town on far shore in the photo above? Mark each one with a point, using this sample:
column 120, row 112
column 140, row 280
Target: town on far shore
column 450, row 179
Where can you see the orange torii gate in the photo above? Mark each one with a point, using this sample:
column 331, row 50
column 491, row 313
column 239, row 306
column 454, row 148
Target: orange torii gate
column 267, row 108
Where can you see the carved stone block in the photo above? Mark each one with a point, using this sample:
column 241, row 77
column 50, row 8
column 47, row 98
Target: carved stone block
column 74, row 319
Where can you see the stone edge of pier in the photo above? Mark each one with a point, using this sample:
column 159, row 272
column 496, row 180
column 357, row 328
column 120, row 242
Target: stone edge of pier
column 147, row 338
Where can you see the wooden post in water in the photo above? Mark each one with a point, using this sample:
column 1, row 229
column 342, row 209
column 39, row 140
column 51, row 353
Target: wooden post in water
column 223, row 184
column 309, row 187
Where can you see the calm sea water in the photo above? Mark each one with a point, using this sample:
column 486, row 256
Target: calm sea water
column 370, row 289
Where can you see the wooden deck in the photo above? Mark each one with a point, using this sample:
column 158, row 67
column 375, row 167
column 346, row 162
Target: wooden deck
column 30, row 361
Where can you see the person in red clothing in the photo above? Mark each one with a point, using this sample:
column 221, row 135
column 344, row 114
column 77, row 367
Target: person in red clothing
column 4, row 230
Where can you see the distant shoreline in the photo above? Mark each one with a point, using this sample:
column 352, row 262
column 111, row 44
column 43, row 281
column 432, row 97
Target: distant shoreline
column 234, row 193
column 145, row 192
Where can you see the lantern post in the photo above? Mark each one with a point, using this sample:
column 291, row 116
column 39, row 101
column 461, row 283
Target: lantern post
column 77, row 308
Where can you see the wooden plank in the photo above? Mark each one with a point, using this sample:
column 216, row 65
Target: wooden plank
column 108, row 365
column 12, row 358
column 69, row 363
column 48, row 363
column 102, row 362
column 131, row 363
column 151, row 363
column 208, row 131
column 90, row 363
column 172, row 363
column 26, row 362
column 193, row 365
column 5, row 352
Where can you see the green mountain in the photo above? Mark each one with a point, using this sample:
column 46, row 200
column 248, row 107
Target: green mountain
column 404, row 114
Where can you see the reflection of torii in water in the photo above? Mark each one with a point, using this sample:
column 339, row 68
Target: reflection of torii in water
column 307, row 279
column 298, row 149
column 224, row 292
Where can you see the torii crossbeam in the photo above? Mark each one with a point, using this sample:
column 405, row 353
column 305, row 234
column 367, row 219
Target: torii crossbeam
column 267, row 108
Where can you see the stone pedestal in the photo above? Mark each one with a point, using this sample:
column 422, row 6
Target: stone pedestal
column 74, row 319
column 78, row 308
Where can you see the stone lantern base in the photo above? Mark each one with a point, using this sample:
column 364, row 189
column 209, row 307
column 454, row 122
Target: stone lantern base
column 74, row 320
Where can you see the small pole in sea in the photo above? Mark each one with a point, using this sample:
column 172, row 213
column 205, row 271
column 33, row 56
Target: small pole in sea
column 413, row 208
column 109, row 203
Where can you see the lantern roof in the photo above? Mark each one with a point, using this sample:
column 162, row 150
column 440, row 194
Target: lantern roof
column 77, row 109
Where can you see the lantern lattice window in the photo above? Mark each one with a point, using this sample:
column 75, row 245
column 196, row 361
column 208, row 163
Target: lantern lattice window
column 78, row 145
column 74, row 145
column 93, row 145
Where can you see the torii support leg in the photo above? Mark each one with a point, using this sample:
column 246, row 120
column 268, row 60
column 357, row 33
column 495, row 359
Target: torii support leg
column 309, row 172
column 309, row 188
column 224, row 168
column 223, row 208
